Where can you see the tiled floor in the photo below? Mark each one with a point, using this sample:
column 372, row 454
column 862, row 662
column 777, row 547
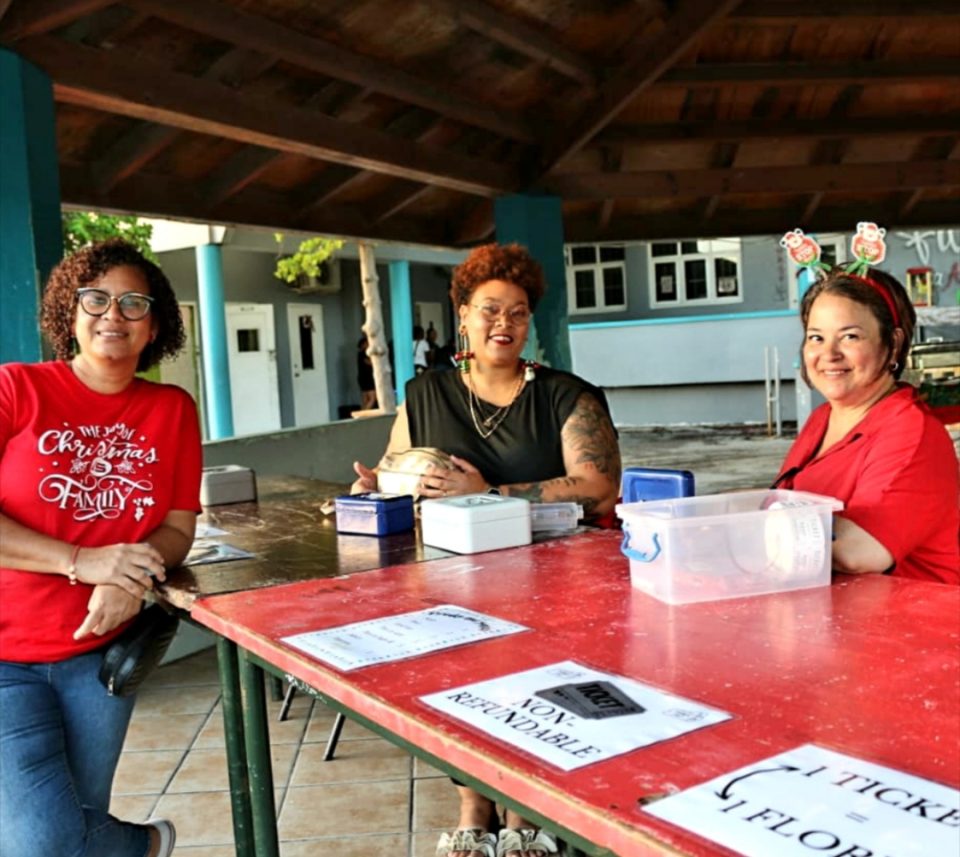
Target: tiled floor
column 371, row 800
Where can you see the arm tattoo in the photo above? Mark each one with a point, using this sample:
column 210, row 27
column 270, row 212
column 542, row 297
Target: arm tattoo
column 589, row 433
column 588, row 439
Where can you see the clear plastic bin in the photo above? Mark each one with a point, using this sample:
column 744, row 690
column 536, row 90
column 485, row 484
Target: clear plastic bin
column 728, row 545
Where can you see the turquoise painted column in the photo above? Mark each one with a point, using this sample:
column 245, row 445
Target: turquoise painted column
column 31, row 240
column 401, row 322
column 536, row 222
column 213, row 332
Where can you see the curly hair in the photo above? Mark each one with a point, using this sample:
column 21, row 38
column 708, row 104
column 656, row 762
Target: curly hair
column 84, row 268
column 860, row 290
column 511, row 263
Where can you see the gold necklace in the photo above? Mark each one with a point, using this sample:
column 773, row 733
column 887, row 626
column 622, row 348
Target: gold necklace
column 492, row 422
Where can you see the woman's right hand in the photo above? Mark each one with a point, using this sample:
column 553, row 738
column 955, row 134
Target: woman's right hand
column 108, row 607
column 132, row 568
column 367, row 481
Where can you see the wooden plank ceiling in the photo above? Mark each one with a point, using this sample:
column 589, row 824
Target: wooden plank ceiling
column 404, row 119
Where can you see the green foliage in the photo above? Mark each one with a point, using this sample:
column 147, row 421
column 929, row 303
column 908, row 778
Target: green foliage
column 81, row 228
column 308, row 260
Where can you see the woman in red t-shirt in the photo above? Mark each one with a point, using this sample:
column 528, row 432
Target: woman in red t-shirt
column 99, row 492
column 874, row 445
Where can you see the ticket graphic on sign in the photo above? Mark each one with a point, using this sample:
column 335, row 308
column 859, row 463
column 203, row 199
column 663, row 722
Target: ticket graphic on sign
column 815, row 801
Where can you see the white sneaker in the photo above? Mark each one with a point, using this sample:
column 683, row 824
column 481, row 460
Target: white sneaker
column 168, row 835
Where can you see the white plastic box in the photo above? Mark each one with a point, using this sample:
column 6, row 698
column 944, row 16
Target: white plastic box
column 475, row 522
column 728, row 545
column 229, row 483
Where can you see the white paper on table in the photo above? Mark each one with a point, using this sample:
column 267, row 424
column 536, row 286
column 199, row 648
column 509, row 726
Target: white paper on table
column 208, row 531
column 203, row 552
column 509, row 709
column 811, row 800
column 392, row 638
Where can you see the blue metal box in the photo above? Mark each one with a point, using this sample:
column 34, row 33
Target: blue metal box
column 374, row 514
column 652, row 483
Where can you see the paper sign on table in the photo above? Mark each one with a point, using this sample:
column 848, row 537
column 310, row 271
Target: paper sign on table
column 815, row 801
column 571, row 715
column 207, row 531
column 392, row 638
column 206, row 552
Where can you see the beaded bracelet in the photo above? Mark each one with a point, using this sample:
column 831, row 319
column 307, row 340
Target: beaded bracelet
column 72, row 568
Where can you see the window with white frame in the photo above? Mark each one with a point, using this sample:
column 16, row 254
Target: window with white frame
column 596, row 277
column 695, row 273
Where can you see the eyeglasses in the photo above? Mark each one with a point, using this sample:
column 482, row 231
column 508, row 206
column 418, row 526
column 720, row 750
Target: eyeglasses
column 519, row 315
column 96, row 302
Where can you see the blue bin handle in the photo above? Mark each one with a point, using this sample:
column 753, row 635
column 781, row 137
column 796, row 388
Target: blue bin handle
column 638, row 555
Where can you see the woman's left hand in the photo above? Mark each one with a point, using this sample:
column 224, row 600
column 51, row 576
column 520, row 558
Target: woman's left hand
column 463, row 478
column 108, row 607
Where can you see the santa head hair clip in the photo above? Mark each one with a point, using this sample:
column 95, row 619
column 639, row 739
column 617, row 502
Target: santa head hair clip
column 868, row 248
column 805, row 251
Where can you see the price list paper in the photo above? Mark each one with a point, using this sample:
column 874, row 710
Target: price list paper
column 393, row 638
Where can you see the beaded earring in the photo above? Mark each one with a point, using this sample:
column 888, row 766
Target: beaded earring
column 530, row 370
column 464, row 355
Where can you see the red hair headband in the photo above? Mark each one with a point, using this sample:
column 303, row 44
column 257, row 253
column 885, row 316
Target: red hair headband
column 883, row 292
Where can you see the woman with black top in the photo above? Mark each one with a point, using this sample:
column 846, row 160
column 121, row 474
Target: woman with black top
column 514, row 428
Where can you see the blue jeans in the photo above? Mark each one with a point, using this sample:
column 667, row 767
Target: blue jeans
column 60, row 741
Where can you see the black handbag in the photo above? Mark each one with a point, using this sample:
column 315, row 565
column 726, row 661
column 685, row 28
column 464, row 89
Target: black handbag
column 132, row 656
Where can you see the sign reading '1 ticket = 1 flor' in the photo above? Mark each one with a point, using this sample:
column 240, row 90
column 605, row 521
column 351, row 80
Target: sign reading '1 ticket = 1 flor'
column 570, row 715
column 813, row 801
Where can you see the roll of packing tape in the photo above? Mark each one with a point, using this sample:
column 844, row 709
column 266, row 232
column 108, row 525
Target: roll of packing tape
column 795, row 541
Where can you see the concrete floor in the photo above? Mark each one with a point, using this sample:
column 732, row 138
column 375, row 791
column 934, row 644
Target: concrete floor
column 720, row 458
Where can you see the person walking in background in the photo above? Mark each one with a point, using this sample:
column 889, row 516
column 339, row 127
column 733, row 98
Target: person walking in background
column 99, row 495
column 420, row 350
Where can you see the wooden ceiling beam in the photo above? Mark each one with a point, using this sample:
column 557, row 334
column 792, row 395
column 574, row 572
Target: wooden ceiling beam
column 767, row 12
column 411, row 124
column 104, row 80
column 130, row 152
column 920, row 70
column 25, row 18
column 245, row 167
column 136, row 148
column 155, row 195
column 521, row 37
column 395, row 200
column 739, row 221
column 653, row 56
column 942, row 125
column 257, row 33
column 755, row 180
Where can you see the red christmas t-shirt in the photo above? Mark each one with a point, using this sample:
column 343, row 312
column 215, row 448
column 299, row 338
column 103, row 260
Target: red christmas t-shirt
column 89, row 469
column 897, row 475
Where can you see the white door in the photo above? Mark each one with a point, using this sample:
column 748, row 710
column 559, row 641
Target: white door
column 308, row 368
column 430, row 312
column 253, row 368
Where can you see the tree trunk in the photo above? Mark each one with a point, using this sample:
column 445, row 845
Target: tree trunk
column 373, row 328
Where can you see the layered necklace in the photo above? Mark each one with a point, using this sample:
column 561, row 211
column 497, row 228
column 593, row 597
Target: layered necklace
column 486, row 424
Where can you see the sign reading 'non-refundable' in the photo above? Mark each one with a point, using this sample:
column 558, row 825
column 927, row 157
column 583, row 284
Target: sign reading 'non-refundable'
column 815, row 802
column 570, row 715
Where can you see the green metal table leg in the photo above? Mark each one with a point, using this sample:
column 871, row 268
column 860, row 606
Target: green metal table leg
column 256, row 733
column 276, row 688
column 236, row 750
